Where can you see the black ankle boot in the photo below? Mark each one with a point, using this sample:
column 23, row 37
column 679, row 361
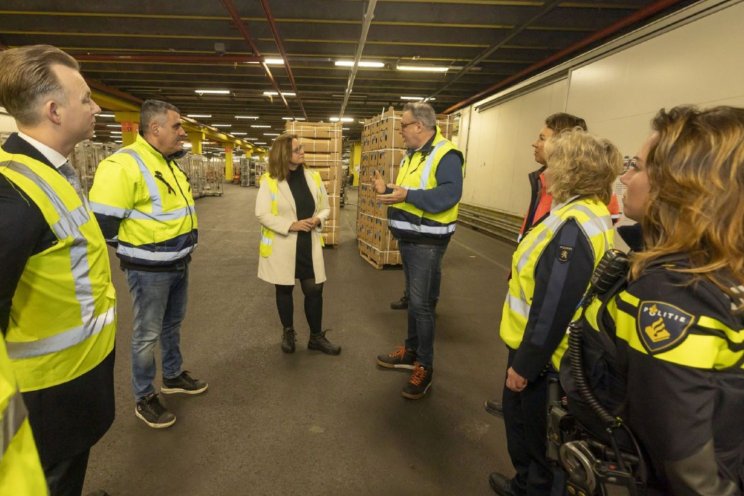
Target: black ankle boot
column 320, row 342
column 288, row 340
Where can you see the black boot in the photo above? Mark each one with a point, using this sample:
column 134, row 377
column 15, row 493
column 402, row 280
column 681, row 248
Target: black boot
column 288, row 340
column 320, row 342
column 401, row 304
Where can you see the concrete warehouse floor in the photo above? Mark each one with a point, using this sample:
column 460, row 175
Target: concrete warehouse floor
column 307, row 423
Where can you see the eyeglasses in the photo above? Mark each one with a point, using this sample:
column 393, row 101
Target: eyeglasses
column 299, row 149
column 631, row 164
column 404, row 125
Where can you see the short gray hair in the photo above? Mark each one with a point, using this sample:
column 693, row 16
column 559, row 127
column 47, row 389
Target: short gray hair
column 423, row 113
column 153, row 109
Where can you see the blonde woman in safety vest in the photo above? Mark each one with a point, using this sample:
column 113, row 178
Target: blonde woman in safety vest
column 57, row 302
column 551, row 268
column 291, row 206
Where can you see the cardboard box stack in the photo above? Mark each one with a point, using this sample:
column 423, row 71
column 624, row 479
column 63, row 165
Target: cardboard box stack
column 322, row 144
column 382, row 151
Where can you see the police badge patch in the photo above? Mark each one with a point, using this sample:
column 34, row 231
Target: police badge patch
column 662, row 326
column 564, row 253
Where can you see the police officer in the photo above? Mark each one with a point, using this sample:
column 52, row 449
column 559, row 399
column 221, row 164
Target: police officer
column 57, row 302
column 679, row 322
column 551, row 268
column 143, row 201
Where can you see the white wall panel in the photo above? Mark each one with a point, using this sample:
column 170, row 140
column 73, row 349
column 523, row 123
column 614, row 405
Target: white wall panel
column 499, row 151
column 699, row 63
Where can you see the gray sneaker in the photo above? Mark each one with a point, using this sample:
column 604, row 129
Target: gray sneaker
column 184, row 384
column 153, row 413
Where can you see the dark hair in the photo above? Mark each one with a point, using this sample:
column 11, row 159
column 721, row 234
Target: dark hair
column 26, row 77
column 561, row 122
column 279, row 156
column 154, row 109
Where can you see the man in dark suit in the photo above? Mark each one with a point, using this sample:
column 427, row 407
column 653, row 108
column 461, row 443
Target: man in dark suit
column 57, row 302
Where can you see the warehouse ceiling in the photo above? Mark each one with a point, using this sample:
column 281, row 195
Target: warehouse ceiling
column 169, row 50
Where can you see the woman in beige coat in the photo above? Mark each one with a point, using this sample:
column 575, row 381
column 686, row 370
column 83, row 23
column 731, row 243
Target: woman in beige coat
column 291, row 206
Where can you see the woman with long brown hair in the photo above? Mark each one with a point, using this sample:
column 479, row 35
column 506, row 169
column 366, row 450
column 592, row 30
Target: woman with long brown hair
column 675, row 372
column 291, row 206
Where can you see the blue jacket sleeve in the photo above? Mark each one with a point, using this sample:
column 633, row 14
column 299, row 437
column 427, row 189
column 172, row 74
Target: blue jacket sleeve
column 449, row 187
column 560, row 281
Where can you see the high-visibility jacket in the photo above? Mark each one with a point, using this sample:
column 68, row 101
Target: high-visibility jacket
column 267, row 235
column 63, row 313
column 20, row 468
column 152, row 197
column 593, row 219
column 419, row 171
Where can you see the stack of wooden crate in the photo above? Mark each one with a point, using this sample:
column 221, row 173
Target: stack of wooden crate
column 322, row 144
column 382, row 151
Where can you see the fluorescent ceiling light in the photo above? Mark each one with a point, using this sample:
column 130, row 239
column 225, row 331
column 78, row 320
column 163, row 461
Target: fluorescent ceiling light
column 274, row 93
column 238, row 133
column 362, row 63
column 422, row 68
column 252, row 139
column 222, row 125
column 187, row 145
column 117, row 126
column 271, row 134
column 345, row 128
column 274, row 61
column 260, row 142
column 105, row 114
column 261, row 126
column 293, row 118
column 248, row 117
column 212, row 92
column 417, row 98
column 342, row 119
column 199, row 116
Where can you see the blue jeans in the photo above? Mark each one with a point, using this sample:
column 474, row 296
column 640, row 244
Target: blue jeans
column 422, row 265
column 159, row 307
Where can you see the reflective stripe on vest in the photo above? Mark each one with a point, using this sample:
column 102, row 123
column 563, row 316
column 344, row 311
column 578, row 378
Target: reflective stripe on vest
column 13, row 417
column 162, row 228
column 406, row 216
column 267, row 235
column 593, row 219
column 68, row 226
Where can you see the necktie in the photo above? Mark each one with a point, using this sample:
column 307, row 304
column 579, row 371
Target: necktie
column 73, row 179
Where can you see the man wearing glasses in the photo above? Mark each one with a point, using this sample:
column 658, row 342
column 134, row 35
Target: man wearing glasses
column 422, row 215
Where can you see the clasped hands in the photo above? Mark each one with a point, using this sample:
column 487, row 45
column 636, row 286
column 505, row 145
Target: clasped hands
column 305, row 225
column 397, row 196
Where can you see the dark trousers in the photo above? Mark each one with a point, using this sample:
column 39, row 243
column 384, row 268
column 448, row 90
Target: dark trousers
column 66, row 478
column 313, row 304
column 422, row 265
column 525, row 419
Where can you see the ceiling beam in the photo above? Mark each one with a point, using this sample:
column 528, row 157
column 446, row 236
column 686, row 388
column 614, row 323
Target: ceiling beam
column 368, row 16
column 233, row 11
column 207, row 59
column 613, row 28
column 282, row 52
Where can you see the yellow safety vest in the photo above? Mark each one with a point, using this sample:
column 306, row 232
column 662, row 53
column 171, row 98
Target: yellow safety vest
column 267, row 235
column 20, row 467
column 419, row 171
column 594, row 220
column 63, row 314
column 152, row 198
